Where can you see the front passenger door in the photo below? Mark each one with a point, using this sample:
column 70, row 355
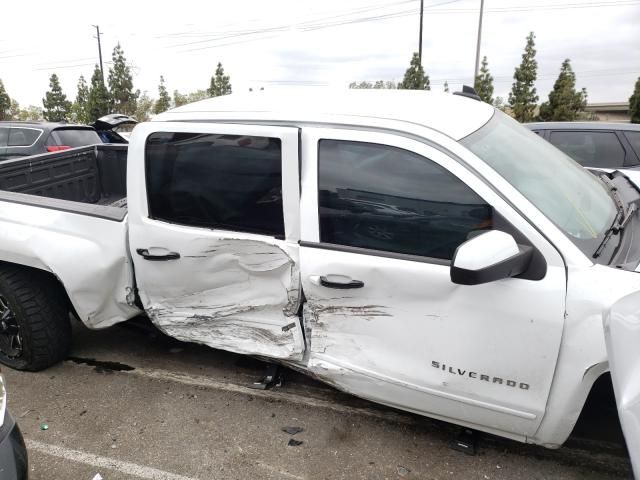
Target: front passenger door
column 382, row 216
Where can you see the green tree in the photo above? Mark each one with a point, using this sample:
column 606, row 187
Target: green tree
column 361, row 85
column 220, row 83
column 144, row 107
column 56, row 106
column 484, row 83
column 446, row 86
column 634, row 103
column 5, row 103
column 121, row 84
column 164, row 100
column 31, row 113
column 98, row 101
column 378, row 85
column 523, row 97
column 499, row 104
column 79, row 108
column 180, row 99
column 414, row 77
column 14, row 110
column 564, row 104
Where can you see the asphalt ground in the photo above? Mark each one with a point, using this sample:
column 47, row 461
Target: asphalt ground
column 131, row 403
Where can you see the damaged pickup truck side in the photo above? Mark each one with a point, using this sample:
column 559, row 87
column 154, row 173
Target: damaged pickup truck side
column 420, row 250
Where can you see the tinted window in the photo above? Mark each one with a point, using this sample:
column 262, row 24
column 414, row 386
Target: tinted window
column 384, row 198
column 591, row 149
column 73, row 137
column 634, row 140
column 4, row 136
column 213, row 181
column 23, row 137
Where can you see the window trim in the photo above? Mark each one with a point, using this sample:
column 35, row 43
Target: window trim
column 375, row 253
column 24, row 128
column 625, row 134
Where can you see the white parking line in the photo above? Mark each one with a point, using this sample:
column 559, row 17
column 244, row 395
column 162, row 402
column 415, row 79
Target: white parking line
column 140, row 471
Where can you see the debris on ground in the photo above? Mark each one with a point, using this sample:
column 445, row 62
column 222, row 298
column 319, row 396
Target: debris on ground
column 292, row 430
column 402, row 471
column 176, row 350
column 272, row 378
column 97, row 477
column 44, row 426
column 294, row 443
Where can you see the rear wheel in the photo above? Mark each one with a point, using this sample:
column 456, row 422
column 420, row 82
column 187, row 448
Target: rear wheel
column 35, row 332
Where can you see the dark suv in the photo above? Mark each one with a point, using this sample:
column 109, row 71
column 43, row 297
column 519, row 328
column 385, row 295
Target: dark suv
column 18, row 139
column 594, row 144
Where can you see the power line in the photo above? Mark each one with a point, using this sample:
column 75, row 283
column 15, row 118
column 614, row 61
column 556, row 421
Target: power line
column 322, row 23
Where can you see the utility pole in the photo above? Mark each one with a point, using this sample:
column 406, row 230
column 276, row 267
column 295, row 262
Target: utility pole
column 420, row 41
column 479, row 40
column 99, row 50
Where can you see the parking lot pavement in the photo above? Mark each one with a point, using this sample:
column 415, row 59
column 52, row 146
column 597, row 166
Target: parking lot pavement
column 132, row 403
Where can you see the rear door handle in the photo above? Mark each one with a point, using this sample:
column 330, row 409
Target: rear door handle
column 352, row 284
column 144, row 253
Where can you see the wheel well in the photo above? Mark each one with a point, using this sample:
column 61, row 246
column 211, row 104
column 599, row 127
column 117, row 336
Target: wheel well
column 43, row 276
column 599, row 417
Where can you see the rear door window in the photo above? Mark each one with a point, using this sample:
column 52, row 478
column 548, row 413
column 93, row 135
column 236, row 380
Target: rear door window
column 4, row 136
column 634, row 140
column 73, row 137
column 23, row 137
column 590, row 148
column 226, row 182
column 388, row 199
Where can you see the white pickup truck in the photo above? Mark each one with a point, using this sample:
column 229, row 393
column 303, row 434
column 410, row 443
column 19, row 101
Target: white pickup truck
column 420, row 250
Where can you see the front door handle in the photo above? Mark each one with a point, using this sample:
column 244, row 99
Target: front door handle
column 352, row 284
column 144, row 253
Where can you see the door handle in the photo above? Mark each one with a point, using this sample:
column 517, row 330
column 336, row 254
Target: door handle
column 352, row 284
column 144, row 253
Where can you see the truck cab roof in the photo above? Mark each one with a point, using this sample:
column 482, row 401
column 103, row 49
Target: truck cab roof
column 453, row 115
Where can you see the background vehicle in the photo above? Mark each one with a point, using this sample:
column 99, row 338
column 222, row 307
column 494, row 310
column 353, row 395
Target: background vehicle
column 594, row 144
column 20, row 139
column 115, row 127
column 13, row 453
column 420, row 250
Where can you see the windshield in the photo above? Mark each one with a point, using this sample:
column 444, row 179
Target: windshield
column 572, row 198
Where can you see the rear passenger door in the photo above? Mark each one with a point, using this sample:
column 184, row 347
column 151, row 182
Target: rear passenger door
column 214, row 214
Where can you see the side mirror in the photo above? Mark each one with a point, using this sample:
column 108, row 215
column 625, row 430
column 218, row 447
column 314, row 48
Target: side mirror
column 490, row 256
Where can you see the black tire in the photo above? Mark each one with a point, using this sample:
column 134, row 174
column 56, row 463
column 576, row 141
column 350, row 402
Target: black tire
column 39, row 313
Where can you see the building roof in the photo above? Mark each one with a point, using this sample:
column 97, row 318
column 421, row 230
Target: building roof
column 453, row 115
column 583, row 126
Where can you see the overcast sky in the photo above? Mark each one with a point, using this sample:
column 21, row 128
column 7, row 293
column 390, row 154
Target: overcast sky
column 330, row 42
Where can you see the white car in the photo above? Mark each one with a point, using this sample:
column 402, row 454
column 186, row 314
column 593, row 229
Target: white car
column 417, row 249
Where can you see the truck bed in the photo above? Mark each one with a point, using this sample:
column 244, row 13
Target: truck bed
column 87, row 180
